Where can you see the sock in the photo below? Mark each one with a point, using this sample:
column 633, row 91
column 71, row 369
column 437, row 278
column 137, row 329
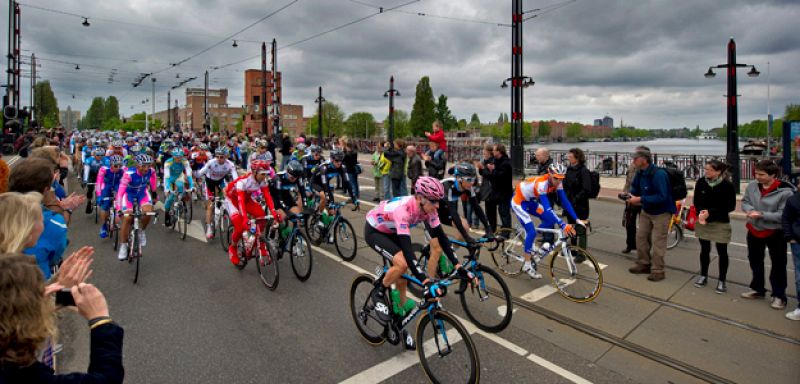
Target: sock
column 527, row 265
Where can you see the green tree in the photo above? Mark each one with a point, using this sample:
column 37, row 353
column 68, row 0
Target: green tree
column 474, row 121
column 214, row 124
column 110, row 109
column 462, row 124
column 332, row 121
column 401, row 124
column 792, row 112
column 574, row 130
column 424, row 111
column 94, row 115
column 240, row 123
column 544, row 129
column 360, row 124
column 696, row 132
column 444, row 115
column 46, row 104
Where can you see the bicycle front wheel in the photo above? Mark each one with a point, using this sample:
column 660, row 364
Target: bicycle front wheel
column 267, row 266
column 508, row 257
column 313, row 229
column 581, row 283
column 134, row 253
column 362, row 308
column 189, row 211
column 489, row 312
column 345, row 239
column 453, row 357
column 300, row 256
column 674, row 236
column 184, row 224
column 222, row 231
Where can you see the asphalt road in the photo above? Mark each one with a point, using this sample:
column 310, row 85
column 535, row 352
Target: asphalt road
column 194, row 318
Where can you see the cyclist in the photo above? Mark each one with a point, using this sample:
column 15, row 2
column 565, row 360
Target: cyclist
column 133, row 187
column 459, row 187
column 321, row 178
column 530, row 198
column 309, row 160
column 177, row 173
column 216, row 172
column 107, row 183
column 239, row 203
column 261, row 153
column 91, row 165
column 284, row 185
column 388, row 232
column 116, row 149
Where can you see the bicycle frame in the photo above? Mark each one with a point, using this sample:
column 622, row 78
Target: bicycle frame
column 559, row 247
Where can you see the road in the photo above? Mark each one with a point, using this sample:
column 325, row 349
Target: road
column 194, row 318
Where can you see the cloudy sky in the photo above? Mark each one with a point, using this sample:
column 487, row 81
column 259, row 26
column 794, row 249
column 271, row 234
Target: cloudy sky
column 641, row 61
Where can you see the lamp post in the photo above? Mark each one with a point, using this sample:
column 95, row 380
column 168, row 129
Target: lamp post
column 733, row 114
column 320, row 100
column 391, row 93
column 518, row 82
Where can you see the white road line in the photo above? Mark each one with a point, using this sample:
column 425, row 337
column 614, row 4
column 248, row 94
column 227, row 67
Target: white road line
column 405, row 358
column 195, row 230
column 547, row 290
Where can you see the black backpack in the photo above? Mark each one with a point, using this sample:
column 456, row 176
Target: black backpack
column 595, row 176
column 677, row 182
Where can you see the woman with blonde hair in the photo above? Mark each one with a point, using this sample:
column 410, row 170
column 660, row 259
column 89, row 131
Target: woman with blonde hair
column 21, row 221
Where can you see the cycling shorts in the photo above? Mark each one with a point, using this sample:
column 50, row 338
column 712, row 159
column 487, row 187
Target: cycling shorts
column 444, row 214
column 143, row 197
column 212, row 186
column 386, row 244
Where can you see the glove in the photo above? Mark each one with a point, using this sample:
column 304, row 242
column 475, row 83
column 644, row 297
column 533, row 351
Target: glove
column 569, row 230
column 464, row 274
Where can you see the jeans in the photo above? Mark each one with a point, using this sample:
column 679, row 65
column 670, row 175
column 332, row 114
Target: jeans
column 756, row 249
column 353, row 179
column 403, row 188
column 495, row 207
column 397, row 187
column 387, row 187
column 796, row 258
column 285, row 159
column 378, row 187
column 651, row 240
column 630, row 215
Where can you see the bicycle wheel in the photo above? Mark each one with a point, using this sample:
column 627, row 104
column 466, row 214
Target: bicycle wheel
column 134, row 253
column 363, row 310
column 509, row 257
column 314, row 232
column 184, row 224
column 489, row 312
column 267, row 265
column 583, row 285
column 223, row 232
column 345, row 239
column 453, row 357
column 96, row 213
column 674, row 236
column 300, row 256
column 189, row 209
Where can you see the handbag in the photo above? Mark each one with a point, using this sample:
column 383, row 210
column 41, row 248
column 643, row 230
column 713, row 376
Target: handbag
column 358, row 169
column 691, row 218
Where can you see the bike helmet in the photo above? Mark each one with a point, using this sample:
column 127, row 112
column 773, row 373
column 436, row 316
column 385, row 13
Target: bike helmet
column 259, row 166
column 144, row 160
column 203, row 147
column 117, row 144
column 98, row 152
column 464, row 170
column 115, row 160
column 301, row 147
column 261, row 143
column 557, row 170
column 337, row 155
column 300, row 140
column 221, row 151
column 294, row 168
column 429, row 188
column 315, row 149
column 135, row 149
column 177, row 152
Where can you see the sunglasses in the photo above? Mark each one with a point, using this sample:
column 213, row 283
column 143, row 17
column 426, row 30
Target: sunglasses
column 468, row 179
column 433, row 202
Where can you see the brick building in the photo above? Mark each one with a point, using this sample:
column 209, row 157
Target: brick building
column 191, row 116
column 558, row 129
column 291, row 115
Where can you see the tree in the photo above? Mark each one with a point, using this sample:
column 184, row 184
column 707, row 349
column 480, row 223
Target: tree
column 443, row 114
column 574, row 130
column 462, row 124
column 46, row 104
column 792, row 112
column 214, row 124
column 544, row 129
column 94, row 115
column 360, row 124
column 110, row 109
column 474, row 121
column 332, row 121
column 240, row 123
column 401, row 124
column 424, row 111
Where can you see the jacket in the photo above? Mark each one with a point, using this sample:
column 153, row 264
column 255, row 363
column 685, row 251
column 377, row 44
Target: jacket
column 771, row 205
column 414, row 167
column 376, row 169
column 719, row 200
column 652, row 185
column 398, row 159
column 436, row 164
column 502, row 179
column 578, row 186
column 541, row 169
column 438, row 137
column 4, row 172
column 51, row 244
column 105, row 363
column 350, row 161
column 384, row 165
column 791, row 218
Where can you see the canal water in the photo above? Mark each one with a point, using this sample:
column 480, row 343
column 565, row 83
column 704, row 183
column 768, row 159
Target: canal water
column 666, row 146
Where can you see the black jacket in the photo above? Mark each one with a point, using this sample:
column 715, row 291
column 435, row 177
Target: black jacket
column 350, row 161
column 286, row 146
column 502, row 179
column 105, row 363
column 791, row 218
column 719, row 200
column 398, row 159
column 578, row 186
column 541, row 169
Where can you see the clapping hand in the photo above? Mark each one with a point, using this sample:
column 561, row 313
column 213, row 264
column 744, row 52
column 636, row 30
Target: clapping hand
column 74, row 270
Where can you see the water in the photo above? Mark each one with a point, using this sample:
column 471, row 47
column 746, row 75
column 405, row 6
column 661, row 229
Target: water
column 670, row 146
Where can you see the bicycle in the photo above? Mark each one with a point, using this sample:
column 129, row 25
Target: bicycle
column 181, row 212
column 134, row 248
column 338, row 231
column 112, row 221
column 483, row 312
column 676, row 223
column 251, row 240
column 448, row 364
column 296, row 245
column 221, row 221
column 571, row 267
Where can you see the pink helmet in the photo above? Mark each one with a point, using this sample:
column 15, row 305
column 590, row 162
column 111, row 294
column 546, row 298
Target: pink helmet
column 299, row 140
column 429, row 188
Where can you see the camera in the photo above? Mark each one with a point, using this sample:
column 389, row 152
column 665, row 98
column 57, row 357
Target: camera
column 624, row 196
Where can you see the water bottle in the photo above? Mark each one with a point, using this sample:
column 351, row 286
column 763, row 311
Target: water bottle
column 545, row 249
column 249, row 239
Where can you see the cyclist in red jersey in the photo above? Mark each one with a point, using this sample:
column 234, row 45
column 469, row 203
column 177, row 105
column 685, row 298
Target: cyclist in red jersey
column 240, row 203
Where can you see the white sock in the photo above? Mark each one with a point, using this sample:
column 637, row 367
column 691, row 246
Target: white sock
column 527, row 265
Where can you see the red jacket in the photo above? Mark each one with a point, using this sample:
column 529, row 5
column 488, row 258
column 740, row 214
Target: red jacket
column 438, row 137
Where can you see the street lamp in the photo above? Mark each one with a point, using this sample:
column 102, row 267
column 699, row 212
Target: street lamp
column 85, row 22
column 733, row 114
column 391, row 93
column 320, row 100
column 234, row 44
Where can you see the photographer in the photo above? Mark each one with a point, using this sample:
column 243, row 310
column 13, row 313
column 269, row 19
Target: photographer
column 27, row 321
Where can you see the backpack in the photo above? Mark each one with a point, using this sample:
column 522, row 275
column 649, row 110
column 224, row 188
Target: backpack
column 677, row 182
column 595, row 176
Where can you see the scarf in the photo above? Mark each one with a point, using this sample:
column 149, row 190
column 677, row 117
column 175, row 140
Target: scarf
column 715, row 182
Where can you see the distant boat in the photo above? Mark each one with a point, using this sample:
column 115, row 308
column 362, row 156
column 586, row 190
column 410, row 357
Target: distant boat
column 754, row 147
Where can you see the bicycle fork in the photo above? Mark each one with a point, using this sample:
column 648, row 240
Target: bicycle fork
column 440, row 332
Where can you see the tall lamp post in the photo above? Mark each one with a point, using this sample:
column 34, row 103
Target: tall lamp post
column 320, row 100
column 733, row 114
column 391, row 93
column 518, row 82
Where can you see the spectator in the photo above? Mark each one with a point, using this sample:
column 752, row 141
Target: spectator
column 352, row 167
column 485, row 190
column 377, row 166
column 4, row 170
column 763, row 202
column 437, row 136
column 501, row 177
column 28, row 322
column 651, row 189
column 385, row 167
column 36, row 175
column 397, row 171
column 631, row 211
column 414, row 170
column 21, row 221
column 55, row 198
column 578, row 187
column 271, row 146
column 543, row 161
column 791, row 233
column 286, row 150
column 714, row 198
column 435, row 161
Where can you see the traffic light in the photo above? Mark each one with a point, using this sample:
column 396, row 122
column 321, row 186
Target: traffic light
column 9, row 112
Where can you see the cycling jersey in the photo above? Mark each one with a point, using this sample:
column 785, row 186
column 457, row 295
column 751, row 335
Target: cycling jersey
column 215, row 173
column 107, row 182
column 133, row 186
column 448, row 207
column 310, row 163
column 174, row 169
column 199, row 159
column 281, row 188
column 91, row 165
column 323, row 175
column 239, row 202
column 530, row 198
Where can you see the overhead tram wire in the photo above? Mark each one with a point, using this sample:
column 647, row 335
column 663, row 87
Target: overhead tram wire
column 476, row 21
column 319, row 34
column 546, row 9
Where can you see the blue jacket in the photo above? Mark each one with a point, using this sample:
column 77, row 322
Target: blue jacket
column 652, row 185
column 52, row 243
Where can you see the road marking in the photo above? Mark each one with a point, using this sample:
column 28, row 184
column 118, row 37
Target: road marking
column 501, row 310
column 471, row 329
column 195, row 230
column 547, row 290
